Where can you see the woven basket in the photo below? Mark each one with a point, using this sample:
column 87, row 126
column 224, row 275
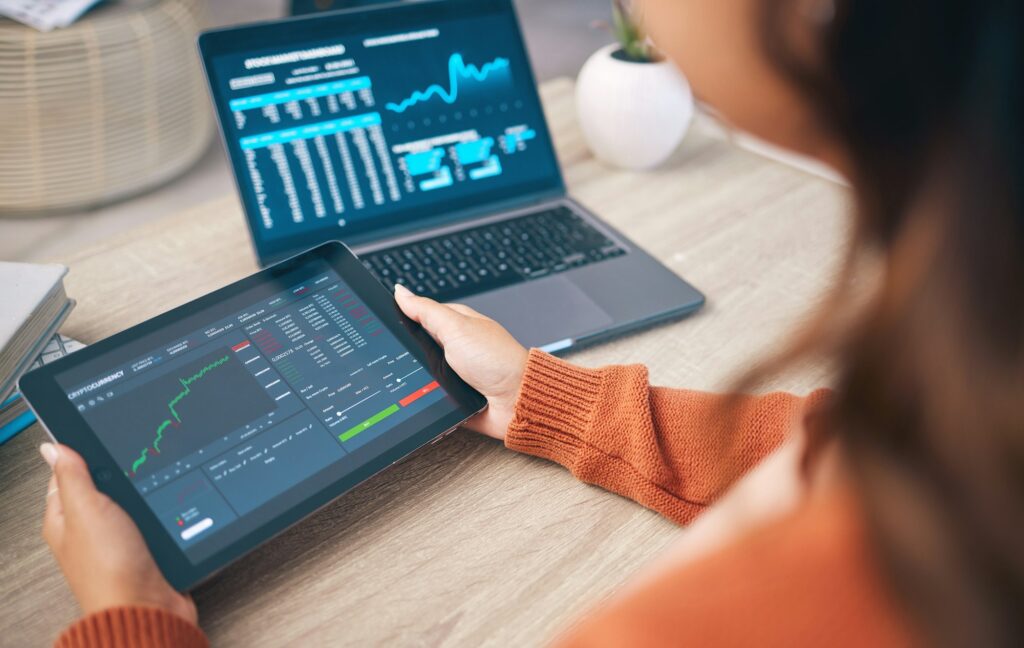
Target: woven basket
column 107, row 108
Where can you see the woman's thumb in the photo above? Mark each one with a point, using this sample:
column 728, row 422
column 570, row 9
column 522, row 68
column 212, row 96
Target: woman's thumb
column 437, row 319
column 73, row 478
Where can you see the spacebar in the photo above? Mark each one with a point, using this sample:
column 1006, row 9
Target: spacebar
column 471, row 288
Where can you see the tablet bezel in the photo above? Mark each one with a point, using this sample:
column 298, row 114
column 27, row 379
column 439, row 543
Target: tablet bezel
column 65, row 424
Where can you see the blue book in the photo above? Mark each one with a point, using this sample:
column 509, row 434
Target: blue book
column 19, row 423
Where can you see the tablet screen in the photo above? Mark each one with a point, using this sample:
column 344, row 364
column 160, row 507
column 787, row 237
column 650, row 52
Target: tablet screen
column 229, row 414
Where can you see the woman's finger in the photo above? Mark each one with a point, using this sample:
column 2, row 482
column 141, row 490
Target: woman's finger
column 53, row 518
column 74, row 483
column 438, row 320
column 52, row 490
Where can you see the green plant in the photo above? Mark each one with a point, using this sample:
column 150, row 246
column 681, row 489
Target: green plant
column 631, row 36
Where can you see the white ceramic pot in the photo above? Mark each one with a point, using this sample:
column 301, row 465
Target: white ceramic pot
column 633, row 115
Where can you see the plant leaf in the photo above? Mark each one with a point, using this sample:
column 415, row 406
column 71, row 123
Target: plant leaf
column 628, row 32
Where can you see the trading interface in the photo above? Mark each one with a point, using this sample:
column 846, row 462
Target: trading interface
column 346, row 134
column 216, row 423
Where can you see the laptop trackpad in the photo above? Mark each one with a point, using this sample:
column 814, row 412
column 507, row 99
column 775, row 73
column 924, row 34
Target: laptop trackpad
column 542, row 312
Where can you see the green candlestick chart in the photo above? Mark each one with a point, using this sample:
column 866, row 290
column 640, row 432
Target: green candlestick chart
column 154, row 447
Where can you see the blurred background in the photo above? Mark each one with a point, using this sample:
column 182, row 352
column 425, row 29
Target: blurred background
column 559, row 34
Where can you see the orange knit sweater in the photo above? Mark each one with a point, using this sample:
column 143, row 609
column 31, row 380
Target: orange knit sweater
column 807, row 579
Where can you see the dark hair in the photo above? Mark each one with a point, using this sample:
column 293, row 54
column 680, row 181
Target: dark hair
column 927, row 100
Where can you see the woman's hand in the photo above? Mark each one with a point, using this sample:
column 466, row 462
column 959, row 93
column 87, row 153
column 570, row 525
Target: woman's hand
column 483, row 353
column 98, row 547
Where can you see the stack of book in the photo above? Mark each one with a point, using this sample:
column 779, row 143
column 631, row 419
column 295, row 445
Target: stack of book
column 14, row 413
column 34, row 307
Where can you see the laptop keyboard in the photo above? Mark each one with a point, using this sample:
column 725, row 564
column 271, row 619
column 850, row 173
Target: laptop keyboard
column 470, row 261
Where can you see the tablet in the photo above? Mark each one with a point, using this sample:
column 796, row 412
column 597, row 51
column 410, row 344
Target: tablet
column 223, row 422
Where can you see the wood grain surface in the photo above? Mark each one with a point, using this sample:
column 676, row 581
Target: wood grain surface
column 465, row 543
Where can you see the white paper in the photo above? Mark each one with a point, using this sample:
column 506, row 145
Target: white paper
column 45, row 15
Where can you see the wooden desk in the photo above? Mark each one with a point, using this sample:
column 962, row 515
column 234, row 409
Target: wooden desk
column 465, row 543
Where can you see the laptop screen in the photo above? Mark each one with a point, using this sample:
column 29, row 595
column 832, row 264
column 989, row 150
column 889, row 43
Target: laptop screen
column 343, row 124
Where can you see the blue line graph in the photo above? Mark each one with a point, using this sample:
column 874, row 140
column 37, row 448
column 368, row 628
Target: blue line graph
column 457, row 69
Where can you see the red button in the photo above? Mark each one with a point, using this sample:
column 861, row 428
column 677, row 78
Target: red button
column 419, row 393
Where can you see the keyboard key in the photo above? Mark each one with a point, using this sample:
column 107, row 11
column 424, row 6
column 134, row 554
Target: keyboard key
column 492, row 256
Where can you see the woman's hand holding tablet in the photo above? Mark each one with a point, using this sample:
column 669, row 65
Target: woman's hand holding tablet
column 226, row 420
column 82, row 525
column 479, row 349
column 98, row 547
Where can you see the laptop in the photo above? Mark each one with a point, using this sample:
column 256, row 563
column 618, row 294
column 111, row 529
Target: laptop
column 414, row 133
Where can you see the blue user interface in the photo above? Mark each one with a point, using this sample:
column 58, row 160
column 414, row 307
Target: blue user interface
column 363, row 131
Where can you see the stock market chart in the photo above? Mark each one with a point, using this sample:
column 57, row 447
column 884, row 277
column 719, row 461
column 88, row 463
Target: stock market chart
column 340, row 135
column 217, row 423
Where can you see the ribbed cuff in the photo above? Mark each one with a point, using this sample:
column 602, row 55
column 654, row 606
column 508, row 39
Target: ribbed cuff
column 557, row 405
column 138, row 627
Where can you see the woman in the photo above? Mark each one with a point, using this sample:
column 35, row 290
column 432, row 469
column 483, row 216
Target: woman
column 912, row 526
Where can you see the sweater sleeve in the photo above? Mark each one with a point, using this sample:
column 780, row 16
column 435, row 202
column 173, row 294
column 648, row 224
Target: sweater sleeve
column 809, row 578
column 672, row 450
column 132, row 627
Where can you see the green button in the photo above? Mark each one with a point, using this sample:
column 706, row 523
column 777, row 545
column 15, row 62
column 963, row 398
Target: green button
column 373, row 420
